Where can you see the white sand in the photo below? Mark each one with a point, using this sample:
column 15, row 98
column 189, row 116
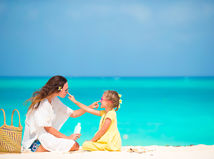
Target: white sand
column 141, row 152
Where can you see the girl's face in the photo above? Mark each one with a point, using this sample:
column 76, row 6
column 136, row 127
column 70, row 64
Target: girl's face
column 105, row 102
column 64, row 91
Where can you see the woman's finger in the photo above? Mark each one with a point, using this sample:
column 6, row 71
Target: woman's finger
column 77, row 136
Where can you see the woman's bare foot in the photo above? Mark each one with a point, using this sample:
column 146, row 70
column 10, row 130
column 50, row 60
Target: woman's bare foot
column 75, row 147
column 41, row 149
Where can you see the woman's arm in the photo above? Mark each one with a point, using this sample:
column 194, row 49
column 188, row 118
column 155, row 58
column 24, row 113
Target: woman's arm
column 80, row 112
column 84, row 107
column 102, row 131
column 58, row 134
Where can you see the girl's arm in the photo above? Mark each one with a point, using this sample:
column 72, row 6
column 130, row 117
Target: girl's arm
column 84, row 107
column 77, row 113
column 58, row 134
column 102, row 131
column 80, row 112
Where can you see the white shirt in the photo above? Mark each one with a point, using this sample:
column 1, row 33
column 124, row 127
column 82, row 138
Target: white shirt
column 52, row 114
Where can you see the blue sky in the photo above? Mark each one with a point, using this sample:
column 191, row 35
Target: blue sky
column 107, row 38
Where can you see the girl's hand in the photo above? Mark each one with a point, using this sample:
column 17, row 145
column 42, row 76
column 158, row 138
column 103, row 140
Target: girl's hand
column 71, row 98
column 94, row 105
column 74, row 136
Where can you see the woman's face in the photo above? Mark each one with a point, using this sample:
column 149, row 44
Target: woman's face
column 64, row 91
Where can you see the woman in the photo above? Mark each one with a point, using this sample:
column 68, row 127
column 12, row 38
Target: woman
column 45, row 117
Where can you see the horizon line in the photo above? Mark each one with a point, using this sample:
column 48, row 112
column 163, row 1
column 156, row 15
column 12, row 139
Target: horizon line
column 20, row 76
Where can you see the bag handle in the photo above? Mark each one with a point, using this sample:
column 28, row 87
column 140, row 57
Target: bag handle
column 12, row 118
column 4, row 116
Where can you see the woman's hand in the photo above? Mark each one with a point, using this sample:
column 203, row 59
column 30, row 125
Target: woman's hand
column 74, row 136
column 94, row 105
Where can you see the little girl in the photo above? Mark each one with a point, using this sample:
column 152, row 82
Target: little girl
column 107, row 137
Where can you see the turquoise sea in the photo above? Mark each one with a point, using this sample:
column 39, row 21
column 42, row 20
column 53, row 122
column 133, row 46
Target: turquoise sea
column 155, row 111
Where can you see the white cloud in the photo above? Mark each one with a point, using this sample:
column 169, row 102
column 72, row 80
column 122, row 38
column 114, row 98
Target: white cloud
column 137, row 11
column 90, row 11
column 176, row 13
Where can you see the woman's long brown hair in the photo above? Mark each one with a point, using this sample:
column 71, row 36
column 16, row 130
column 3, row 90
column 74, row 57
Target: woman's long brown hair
column 53, row 85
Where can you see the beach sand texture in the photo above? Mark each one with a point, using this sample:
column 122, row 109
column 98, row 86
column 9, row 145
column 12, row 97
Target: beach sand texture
column 128, row 152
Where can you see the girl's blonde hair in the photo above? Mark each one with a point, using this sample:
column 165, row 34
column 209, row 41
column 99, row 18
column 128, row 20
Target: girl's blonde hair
column 114, row 97
column 54, row 85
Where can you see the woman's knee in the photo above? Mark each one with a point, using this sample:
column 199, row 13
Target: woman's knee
column 75, row 147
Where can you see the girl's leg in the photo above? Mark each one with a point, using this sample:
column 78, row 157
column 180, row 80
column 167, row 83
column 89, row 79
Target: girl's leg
column 94, row 146
column 75, row 147
column 41, row 149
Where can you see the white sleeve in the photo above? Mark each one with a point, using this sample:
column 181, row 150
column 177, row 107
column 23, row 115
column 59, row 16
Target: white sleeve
column 62, row 113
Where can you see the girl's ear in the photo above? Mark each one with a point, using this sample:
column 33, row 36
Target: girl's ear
column 110, row 103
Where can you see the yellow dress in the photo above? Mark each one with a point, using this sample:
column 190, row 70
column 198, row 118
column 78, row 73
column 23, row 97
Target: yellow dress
column 111, row 140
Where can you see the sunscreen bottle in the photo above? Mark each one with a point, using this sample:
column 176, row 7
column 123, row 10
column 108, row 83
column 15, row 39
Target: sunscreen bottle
column 77, row 129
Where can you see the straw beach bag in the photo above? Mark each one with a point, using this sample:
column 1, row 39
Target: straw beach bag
column 10, row 136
